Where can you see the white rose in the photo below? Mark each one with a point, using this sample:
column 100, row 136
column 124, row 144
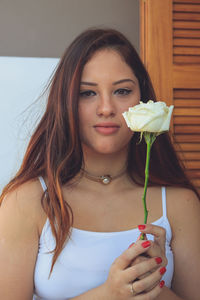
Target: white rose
column 149, row 117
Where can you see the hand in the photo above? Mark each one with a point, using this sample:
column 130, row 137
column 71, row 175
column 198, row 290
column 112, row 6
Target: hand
column 123, row 283
column 157, row 249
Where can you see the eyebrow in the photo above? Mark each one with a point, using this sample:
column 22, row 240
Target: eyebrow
column 88, row 83
column 123, row 80
column 114, row 83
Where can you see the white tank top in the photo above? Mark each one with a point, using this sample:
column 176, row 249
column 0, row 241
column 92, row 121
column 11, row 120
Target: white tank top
column 86, row 258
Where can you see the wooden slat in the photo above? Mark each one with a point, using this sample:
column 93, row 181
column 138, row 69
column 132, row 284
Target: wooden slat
column 186, row 16
column 186, row 111
column 194, row 164
column 193, row 173
column 186, row 59
column 186, row 42
column 184, row 33
column 187, row 138
column 187, row 102
column 186, row 120
column 186, row 1
column 193, row 129
column 186, row 50
column 187, row 147
column 188, row 94
column 196, row 182
column 186, row 7
column 186, row 77
column 190, row 155
column 186, row 25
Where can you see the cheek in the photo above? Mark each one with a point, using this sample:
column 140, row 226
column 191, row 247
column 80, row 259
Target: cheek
column 86, row 110
column 85, row 123
column 126, row 135
column 135, row 100
column 81, row 112
column 83, row 116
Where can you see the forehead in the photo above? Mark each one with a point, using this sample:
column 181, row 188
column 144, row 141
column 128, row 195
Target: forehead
column 107, row 62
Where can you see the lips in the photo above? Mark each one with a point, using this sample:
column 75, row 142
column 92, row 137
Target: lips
column 107, row 128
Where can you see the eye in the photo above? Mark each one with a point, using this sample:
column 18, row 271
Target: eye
column 123, row 92
column 87, row 94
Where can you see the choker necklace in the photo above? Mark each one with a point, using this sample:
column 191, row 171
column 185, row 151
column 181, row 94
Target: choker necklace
column 104, row 179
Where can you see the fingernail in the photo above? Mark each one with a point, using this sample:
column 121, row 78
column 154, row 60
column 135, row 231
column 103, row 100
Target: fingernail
column 158, row 260
column 162, row 283
column 162, row 270
column 146, row 244
column 141, row 227
column 131, row 245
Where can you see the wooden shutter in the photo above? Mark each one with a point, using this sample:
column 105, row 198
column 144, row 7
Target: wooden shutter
column 170, row 49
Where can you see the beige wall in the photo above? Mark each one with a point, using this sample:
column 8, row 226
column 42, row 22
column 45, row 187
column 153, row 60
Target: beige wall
column 43, row 28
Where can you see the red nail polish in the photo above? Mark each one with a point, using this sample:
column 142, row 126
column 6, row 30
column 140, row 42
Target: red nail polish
column 162, row 270
column 162, row 283
column 141, row 227
column 131, row 245
column 146, row 244
column 158, row 260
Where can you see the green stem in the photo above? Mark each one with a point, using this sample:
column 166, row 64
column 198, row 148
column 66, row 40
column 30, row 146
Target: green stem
column 149, row 138
column 146, row 181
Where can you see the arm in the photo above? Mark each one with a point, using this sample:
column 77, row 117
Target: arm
column 18, row 243
column 184, row 215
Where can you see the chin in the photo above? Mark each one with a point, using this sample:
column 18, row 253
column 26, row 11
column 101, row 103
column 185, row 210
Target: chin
column 103, row 147
column 104, row 150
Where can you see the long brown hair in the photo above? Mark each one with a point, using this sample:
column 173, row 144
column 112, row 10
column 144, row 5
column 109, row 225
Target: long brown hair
column 54, row 150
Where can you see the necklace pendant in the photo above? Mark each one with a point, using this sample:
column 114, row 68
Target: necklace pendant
column 106, row 179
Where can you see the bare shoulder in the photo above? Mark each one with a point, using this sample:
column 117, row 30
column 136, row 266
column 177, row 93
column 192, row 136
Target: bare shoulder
column 181, row 199
column 25, row 202
column 20, row 215
column 183, row 207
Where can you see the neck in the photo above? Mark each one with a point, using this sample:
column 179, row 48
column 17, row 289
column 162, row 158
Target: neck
column 100, row 164
column 104, row 164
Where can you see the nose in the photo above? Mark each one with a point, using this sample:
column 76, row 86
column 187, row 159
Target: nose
column 106, row 106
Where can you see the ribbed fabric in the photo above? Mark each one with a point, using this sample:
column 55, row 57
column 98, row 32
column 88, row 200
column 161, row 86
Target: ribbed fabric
column 85, row 260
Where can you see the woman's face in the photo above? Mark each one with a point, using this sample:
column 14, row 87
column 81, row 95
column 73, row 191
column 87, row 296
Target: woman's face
column 108, row 88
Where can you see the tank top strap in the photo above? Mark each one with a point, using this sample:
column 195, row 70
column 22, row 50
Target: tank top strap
column 164, row 202
column 43, row 184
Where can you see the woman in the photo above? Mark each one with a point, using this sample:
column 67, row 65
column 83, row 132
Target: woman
column 66, row 231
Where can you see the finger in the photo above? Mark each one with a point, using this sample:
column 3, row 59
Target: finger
column 148, row 282
column 124, row 260
column 156, row 250
column 139, row 259
column 151, row 294
column 158, row 232
column 133, row 272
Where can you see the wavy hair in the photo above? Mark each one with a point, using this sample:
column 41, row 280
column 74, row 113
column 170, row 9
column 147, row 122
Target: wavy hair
column 54, row 150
